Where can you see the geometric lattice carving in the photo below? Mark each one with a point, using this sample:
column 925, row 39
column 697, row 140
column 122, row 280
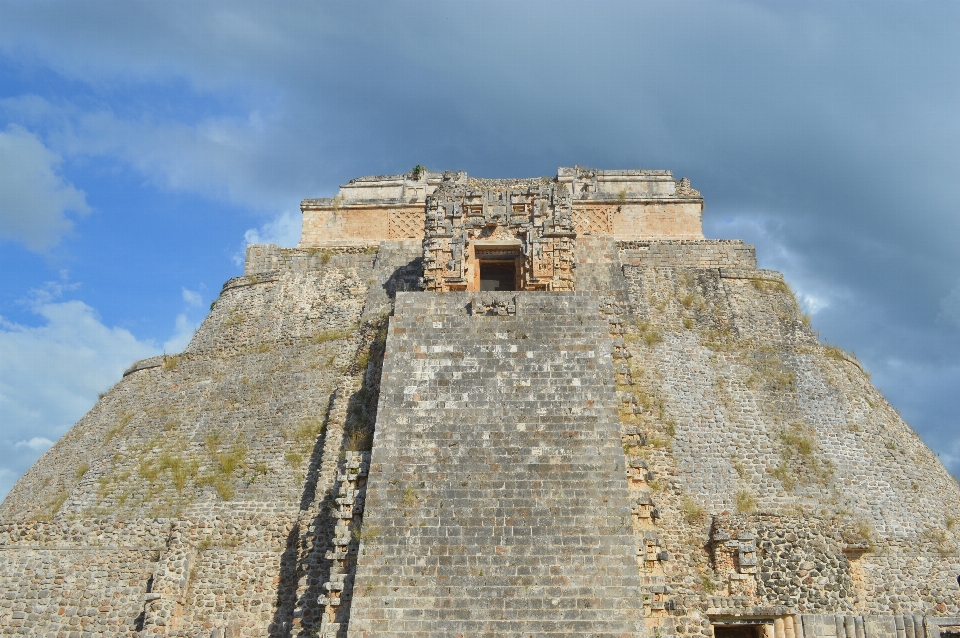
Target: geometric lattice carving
column 593, row 221
column 405, row 224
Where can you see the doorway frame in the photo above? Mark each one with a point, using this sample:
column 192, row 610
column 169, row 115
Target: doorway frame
column 501, row 250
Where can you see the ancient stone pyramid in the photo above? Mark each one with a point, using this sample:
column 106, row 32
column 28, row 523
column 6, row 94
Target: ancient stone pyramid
column 464, row 407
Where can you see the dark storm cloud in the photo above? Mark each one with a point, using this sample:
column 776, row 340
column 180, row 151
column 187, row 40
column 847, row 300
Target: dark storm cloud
column 825, row 132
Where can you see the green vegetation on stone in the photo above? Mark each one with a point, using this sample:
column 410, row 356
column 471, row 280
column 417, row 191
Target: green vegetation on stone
column 170, row 362
column 745, row 501
column 329, row 335
column 649, row 333
column 693, row 512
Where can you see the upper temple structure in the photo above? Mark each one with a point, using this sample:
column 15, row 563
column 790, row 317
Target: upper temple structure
column 491, row 407
column 504, row 234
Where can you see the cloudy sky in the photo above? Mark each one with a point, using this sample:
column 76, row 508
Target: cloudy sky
column 142, row 145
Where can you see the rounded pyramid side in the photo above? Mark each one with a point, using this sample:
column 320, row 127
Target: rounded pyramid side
column 752, row 427
column 230, row 422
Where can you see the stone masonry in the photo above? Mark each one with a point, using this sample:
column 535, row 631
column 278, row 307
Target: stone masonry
column 658, row 445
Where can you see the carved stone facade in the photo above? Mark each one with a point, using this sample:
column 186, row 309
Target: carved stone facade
column 624, row 204
column 498, row 235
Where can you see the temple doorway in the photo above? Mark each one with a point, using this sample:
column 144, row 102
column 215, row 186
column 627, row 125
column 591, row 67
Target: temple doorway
column 498, row 274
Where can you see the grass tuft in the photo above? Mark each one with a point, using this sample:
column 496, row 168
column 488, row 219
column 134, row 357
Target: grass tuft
column 359, row 440
column 745, row 502
column 767, row 285
column 329, row 335
column 52, row 506
column 363, row 358
column 770, row 371
column 148, row 469
column 649, row 333
column 180, row 470
column 230, row 460
column 224, row 488
column 797, row 440
column 783, row 474
column 800, row 451
column 739, row 468
column 170, row 362
column 707, row 583
column 295, row 459
column 369, row 532
column 308, row 430
column 833, row 352
column 693, row 512
column 719, row 339
column 409, row 497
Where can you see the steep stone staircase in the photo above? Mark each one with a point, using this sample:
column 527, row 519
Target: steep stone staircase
column 497, row 499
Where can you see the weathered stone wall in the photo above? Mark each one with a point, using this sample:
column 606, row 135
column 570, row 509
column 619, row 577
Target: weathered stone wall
column 659, row 220
column 707, row 253
column 731, row 404
column 113, row 578
column 751, row 390
column 332, row 224
column 269, row 259
column 782, row 561
column 236, row 414
column 79, row 576
column 235, row 442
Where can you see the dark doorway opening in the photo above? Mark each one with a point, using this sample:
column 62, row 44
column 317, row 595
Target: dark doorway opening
column 738, row 631
column 498, row 275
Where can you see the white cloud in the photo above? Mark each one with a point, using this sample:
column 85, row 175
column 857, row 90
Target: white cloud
column 229, row 156
column 185, row 329
column 50, row 376
column 34, row 198
column 282, row 231
column 187, row 322
column 192, row 297
column 37, row 443
column 812, row 303
column 814, row 294
column 239, row 157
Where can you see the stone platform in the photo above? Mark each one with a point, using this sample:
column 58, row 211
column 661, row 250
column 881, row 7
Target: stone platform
column 497, row 502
